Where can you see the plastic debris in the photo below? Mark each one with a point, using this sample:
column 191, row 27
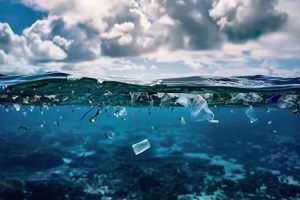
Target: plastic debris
column 141, row 146
column 94, row 117
column 165, row 102
column 252, row 97
column 297, row 111
column 109, row 134
column 17, row 106
column 251, row 114
column 24, row 127
column 184, row 100
column 134, row 96
column 237, row 97
column 200, row 110
column 120, row 111
column 182, row 121
column 274, row 98
column 287, row 101
column 269, row 122
column 57, row 122
column 214, row 121
column 246, row 97
column 87, row 112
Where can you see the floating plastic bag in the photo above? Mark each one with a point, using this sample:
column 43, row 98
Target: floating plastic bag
column 165, row 102
column 287, row 101
column 183, row 100
column 252, row 97
column 200, row 110
column 251, row 114
column 141, row 146
column 134, row 96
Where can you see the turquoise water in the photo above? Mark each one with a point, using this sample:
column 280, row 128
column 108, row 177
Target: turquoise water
column 68, row 137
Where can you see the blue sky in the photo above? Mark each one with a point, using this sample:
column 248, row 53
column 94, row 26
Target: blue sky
column 150, row 38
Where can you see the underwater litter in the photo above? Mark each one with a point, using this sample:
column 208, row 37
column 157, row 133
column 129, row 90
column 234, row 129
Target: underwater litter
column 187, row 138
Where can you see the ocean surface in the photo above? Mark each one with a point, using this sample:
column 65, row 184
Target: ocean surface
column 78, row 138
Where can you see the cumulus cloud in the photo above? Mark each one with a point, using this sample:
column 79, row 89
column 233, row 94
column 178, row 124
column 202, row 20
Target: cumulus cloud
column 199, row 34
column 242, row 20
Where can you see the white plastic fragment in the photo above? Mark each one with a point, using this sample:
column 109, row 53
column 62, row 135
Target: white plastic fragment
column 251, row 114
column 17, row 106
column 134, row 96
column 182, row 121
column 269, row 122
column 200, row 110
column 214, row 121
column 165, row 102
column 287, row 101
column 141, row 146
column 109, row 134
column 183, row 100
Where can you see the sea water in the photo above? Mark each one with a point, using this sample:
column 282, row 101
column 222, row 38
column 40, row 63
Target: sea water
column 69, row 137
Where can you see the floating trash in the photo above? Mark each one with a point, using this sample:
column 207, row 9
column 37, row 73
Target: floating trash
column 134, row 96
column 287, row 101
column 94, row 117
column 251, row 114
column 24, row 127
column 200, row 110
column 17, row 106
column 120, row 111
column 109, row 134
column 57, row 123
column 184, row 100
column 141, row 146
column 269, row 122
column 182, row 121
column 214, row 121
column 165, row 102
column 274, row 98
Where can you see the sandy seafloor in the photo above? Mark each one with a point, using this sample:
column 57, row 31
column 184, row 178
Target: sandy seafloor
column 62, row 157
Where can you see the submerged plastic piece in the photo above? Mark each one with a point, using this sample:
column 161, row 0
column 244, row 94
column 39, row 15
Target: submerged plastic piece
column 252, row 97
column 182, row 121
column 274, row 98
column 183, row 100
column 214, row 121
column 200, row 110
column 141, row 146
column 17, row 106
column 165, row 102
column 237, row 97
column 109, row 134
column 287, row 101
column 134, row 96
column 120, row 111
column 251, row 114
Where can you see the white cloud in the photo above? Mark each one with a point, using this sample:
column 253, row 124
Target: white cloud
column 204, row 37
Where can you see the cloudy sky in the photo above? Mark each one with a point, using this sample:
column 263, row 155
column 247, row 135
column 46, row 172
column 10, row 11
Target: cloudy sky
column 150, row 38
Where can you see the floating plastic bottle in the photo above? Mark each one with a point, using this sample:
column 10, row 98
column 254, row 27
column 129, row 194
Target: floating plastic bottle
column 200, row 110
column 251, row 114
column 141, row 146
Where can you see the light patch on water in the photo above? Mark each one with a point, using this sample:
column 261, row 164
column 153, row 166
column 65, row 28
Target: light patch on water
column 230, row 168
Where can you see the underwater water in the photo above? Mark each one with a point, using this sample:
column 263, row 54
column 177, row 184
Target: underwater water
column 68, row 137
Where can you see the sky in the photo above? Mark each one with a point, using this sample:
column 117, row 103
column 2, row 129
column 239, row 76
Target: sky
column 150, row 38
